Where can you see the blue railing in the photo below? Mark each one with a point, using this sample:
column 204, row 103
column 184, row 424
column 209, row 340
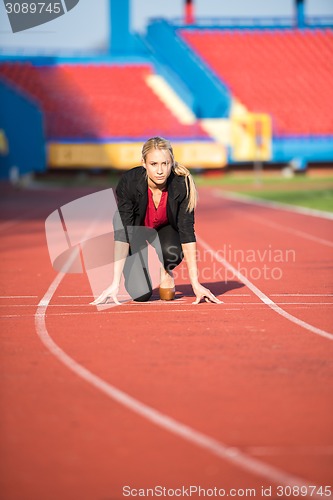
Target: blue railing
column 253, row 22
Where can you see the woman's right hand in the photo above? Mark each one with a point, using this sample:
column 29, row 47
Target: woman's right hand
column 110, row 292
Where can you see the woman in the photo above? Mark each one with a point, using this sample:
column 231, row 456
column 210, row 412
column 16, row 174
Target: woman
column 160, row 194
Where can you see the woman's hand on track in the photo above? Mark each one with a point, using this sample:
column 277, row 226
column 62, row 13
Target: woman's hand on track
column 202, row 292
column 110, row 292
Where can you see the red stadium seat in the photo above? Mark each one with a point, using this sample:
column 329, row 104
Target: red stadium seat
column 286, row 73
column 97, row 101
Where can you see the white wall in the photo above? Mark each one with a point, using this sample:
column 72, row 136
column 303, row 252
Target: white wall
column 83, row 28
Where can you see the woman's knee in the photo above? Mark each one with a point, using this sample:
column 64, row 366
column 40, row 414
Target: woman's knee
column 143, row 298
column 138, row 293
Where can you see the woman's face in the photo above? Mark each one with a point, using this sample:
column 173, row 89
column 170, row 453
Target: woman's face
column 158, row 165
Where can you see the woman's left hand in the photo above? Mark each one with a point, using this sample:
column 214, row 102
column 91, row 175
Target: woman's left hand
column 202, row 292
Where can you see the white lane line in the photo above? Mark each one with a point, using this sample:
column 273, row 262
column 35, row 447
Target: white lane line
column 91, row 296
column 229, row 295
column 264, row 298
column 34, row 305
column 242, row 198
column 180, row 303
column 179, row 299
column 290, row 230
column 301, row 294
column 137, row 311
column 77, row 296
column 289, row 450
column 286, row 303
column 18, row 296
column 225, row 308
column 229, row 453
column 239, row 294
column 135, row 304
column 142, row 304
column 113, row 312
column 85, row 296
column 308, row 303
column 183, row 303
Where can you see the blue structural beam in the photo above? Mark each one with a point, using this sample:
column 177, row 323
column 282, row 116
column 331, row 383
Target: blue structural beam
column 120, row 41
column 212, row 98
column 300, row 15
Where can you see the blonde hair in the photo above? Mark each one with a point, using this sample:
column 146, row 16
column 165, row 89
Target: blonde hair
column 177, row 168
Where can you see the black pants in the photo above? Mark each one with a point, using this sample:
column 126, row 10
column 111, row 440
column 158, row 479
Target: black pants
column 136, row 270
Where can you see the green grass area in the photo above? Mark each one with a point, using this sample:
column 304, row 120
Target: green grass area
column 310, row 191
column 320, row 199
column 266, row 180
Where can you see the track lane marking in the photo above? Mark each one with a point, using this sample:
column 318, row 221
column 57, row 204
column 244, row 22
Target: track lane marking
column 183, row 303
column 301, row 294
column 230, row 295
column 229, row 453
column 290, row 450
column 262, row 296
column 113, row 312
column 7, row 316
column 18, row 296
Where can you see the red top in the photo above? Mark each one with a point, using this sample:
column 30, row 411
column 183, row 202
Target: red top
column 156, row 217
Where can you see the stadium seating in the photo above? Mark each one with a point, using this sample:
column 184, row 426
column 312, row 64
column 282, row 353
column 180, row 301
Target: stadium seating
column 97, row 101
column 286, row 73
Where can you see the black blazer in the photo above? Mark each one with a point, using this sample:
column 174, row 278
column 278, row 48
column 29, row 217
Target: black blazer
column 132, row 196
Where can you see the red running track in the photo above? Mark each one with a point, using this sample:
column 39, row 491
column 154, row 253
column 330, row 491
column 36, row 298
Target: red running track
column 170, row 394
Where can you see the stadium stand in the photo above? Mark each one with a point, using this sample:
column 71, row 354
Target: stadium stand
column 284, row 72
column 97, row 101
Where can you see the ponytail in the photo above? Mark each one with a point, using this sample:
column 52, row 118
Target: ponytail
column 191, row 191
